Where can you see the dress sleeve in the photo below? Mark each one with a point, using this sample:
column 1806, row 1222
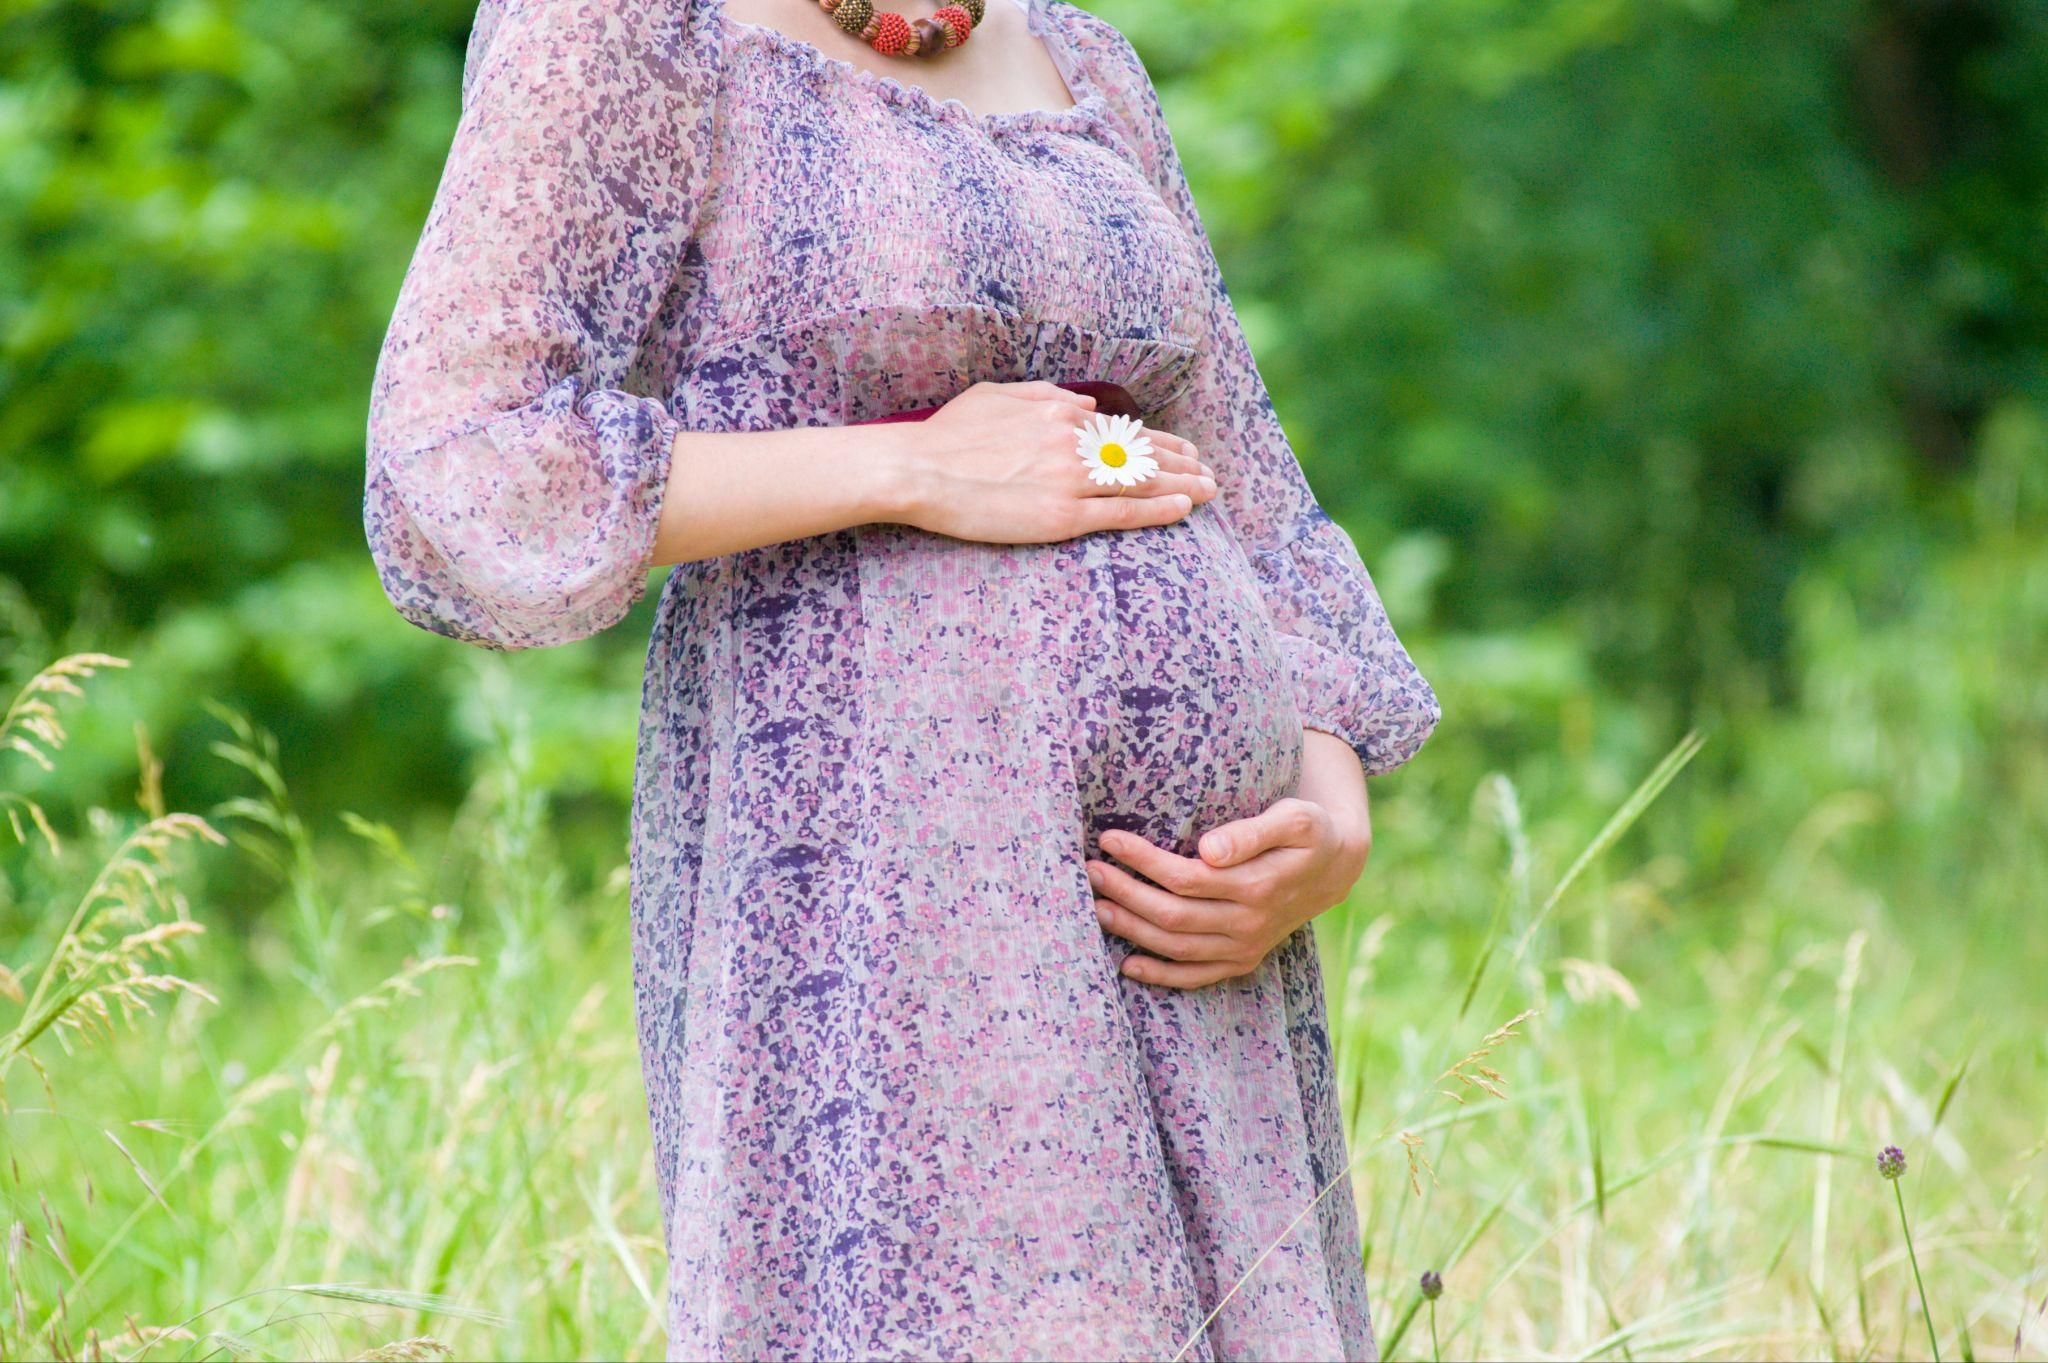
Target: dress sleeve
column 1352, row 677
column 514, row 483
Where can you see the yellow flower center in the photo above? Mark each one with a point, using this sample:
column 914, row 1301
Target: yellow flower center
column 1112, row 455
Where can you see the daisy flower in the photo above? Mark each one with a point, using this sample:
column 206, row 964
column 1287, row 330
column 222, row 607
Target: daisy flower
column 1116, row 450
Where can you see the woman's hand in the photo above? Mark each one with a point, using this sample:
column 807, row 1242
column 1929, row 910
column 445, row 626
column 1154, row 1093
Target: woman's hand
column 1216, row 916
column 998, row 464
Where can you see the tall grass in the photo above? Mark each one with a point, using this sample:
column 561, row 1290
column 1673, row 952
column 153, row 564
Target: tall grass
column 1616, row 1048
column 315, row 1154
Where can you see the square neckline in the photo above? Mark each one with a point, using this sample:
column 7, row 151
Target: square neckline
column 1088, row 102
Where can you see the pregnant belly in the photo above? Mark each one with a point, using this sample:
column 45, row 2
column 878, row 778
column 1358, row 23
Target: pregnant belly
column 1148, row 653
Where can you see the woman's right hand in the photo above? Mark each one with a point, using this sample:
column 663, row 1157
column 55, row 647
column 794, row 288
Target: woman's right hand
column 998, row 464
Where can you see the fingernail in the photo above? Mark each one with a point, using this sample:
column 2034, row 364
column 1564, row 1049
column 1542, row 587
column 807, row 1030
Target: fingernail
column 1208, row 486
column 1101, row 913
column 1094, row 878
column 1208, row 472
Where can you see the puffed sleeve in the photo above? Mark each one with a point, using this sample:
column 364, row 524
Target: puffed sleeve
column 514, row 481
column 1352, row 677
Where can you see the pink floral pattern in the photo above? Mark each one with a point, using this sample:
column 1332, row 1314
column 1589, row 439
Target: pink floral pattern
column 903, row 1104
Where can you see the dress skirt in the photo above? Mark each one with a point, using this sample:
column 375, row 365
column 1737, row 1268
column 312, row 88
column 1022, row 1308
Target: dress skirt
column 918, row 1111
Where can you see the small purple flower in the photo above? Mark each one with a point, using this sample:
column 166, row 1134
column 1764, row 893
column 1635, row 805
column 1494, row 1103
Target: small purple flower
column 1891, row 1162
column 1432, row 1284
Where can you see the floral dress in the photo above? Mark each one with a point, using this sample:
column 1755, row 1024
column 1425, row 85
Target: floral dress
column 903, row 1103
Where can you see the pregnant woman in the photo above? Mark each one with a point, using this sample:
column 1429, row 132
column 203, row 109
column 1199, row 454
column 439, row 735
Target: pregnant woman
column 981, row 808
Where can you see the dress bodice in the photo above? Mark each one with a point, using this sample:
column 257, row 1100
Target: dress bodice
column 876, row 246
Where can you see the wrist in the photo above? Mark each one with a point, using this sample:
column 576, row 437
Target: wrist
column 1354, row 832
column 897, row 488
column 1333, row 777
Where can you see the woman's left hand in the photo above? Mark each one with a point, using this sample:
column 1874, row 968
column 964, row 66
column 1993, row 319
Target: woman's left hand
column 1216, row 916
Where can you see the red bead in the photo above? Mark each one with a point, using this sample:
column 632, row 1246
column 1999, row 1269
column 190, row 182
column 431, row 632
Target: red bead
column 892, row 33
column 958, row 23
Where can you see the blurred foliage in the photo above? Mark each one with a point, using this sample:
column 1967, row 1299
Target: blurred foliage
column 1619, row 332
column 1631, row 307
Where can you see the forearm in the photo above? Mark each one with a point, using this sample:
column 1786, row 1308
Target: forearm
column 995, row 465
column 728, row 492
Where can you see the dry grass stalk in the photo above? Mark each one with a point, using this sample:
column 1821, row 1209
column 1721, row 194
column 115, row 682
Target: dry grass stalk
column 406, row 1351
column 34, row 727
column 403, row 985
column 140, row 1340
column 103, row 969
column 1470, row 1073
column 32, row 724
column 99, row 971
column 1417, row 1162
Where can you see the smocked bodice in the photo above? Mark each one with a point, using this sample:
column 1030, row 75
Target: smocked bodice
column 853, row 223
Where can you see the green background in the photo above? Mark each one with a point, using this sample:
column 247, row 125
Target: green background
column 1674, row 366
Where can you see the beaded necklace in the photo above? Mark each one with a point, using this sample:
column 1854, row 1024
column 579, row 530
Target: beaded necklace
column 892, row 35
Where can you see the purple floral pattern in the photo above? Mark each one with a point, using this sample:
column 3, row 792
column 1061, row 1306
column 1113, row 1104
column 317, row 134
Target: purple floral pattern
column 904, row 1105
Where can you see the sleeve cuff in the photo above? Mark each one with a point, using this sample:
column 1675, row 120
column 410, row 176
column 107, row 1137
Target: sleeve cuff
column 1386, row 719
column 530, row 530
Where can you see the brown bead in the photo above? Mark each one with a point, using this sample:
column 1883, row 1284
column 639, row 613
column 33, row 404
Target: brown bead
column 930, row 35
column 853, row 15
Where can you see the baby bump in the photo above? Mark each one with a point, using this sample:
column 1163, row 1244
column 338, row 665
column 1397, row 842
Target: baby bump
column 1148, row 652
column 1187, row 715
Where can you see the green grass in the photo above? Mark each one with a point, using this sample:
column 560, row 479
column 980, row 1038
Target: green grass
column 405, row 1112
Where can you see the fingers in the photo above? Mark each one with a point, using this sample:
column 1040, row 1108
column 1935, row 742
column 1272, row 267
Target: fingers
column 1288, row 823
column 1190, row 485
column 1179, row 946
column 1172, row 461
column 1044, row 390
column 1179, row 875
column 1070, row 411
column 1194, row 940
column 1164, row 910
column 1166, row 443
column 1173, row 454
column 1180, row 974
column 1130, row 513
